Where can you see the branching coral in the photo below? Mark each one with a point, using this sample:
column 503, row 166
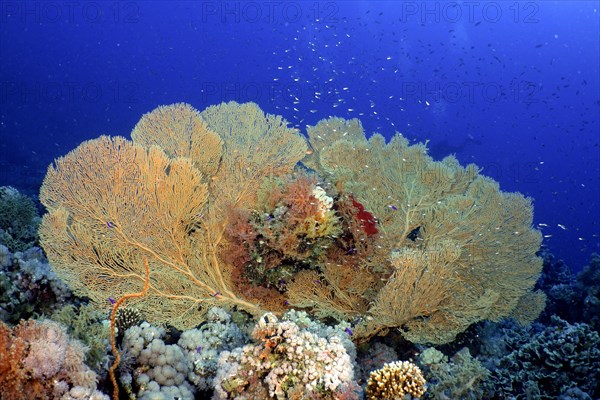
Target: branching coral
column 394, row 381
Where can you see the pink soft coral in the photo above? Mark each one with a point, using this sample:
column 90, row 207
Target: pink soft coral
column 39, row 361
column 299, row 198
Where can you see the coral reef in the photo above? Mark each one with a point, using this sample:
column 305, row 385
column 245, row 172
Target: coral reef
column 297, row 232
column 286, row 362
column 18, row 220
column 125, row 318
column 561, row 357
column 38, row 360
column 588, row 284
column 28, row 285
column 236, row 214
column 292, row 232
column 301, row 358
column 220, row 204
column 203, row 345
column 464, row 250
column 154, row 365
column 457, row 378
column 89, row 326
column 158, row 368
column 394, row 381
column 374, row 357
column 432, row 356
column 574, row 298
column 92, row 221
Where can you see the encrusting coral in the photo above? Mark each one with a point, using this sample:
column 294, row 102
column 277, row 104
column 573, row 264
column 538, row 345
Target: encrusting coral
column 395, row 380
column 219, row 203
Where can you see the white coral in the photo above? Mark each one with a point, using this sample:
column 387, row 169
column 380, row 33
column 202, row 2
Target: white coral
column 287, row 356
column 165, row 366
column 325, row 202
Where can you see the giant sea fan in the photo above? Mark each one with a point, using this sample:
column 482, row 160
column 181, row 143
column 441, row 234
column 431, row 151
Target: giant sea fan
column 448, row 249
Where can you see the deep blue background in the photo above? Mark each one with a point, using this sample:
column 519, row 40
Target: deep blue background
column 510, row 86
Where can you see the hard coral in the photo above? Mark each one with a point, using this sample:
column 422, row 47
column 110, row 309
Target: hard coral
column 18, row 220
column 560, row 357
column 286, row 362
column 395, row 380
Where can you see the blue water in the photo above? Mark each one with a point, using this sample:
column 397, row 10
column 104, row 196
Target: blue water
column 510, row 86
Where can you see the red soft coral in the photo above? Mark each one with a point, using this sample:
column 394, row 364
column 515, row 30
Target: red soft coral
column 367, row 220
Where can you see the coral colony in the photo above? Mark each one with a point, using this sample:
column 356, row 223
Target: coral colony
column 221, row 254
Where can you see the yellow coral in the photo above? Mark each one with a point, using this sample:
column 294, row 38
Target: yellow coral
column 456, row 248
column 112, row 203
column 179, row 130
column 255, row 146
column 449, row 248
column 317, row 226
column 395, row 380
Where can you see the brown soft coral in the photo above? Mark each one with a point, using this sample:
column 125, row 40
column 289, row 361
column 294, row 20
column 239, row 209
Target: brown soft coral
column 12, row 375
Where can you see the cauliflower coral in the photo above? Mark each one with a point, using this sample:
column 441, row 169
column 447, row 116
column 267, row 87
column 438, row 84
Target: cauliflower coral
column 286, row 362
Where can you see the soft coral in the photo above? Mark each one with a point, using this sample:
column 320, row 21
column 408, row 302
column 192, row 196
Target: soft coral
column 299, row 198
column 39, row 361
column 367, row 220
